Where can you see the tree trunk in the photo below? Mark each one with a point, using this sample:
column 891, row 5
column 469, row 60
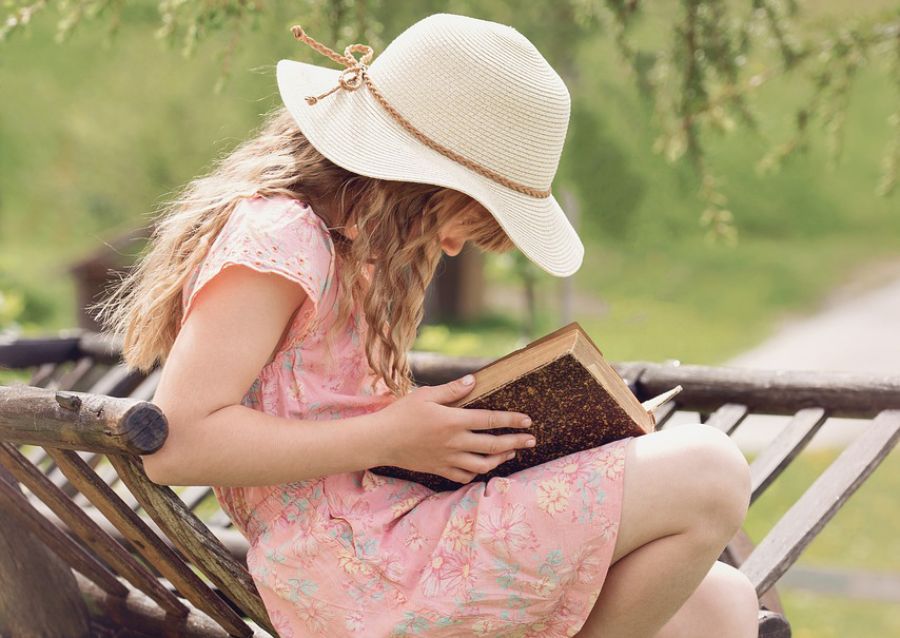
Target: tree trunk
column 457, row 291
column 39, row 595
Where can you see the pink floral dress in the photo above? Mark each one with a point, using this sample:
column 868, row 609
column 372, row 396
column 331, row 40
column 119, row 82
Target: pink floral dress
column 358, row 554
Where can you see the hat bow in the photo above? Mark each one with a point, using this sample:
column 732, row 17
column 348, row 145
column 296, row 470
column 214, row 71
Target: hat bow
column 352, row 77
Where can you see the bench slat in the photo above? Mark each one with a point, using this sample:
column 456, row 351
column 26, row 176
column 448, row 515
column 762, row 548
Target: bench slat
column 45, row 374
column 148, row 544
column 136, row 615
column 118, row 381
column 69, row 378
column 59, row 479
column 192, row 537
column 663, row 413
column 773, row 460
column 25, row 353
column 147, row 387
column 14, row 503
column 773, row 625
column 806, row 518
column 234, row 541
column 108, row 475
column 87, row 530
column 727, row 417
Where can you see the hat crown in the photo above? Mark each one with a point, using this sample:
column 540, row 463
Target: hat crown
column 481, row 89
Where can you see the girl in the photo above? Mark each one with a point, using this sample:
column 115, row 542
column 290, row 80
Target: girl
column 298, row 269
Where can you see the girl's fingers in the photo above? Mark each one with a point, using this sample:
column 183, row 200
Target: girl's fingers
column 459, row 475
column 481, row 419
column 494, row 443
column 446, row 392
column 478, row 464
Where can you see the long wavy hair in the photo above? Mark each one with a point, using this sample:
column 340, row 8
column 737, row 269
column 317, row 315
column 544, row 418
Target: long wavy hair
column 397, row 228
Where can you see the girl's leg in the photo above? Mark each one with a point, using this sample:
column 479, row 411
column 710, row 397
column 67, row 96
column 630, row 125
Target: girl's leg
column 686, row 494
column 724, row 604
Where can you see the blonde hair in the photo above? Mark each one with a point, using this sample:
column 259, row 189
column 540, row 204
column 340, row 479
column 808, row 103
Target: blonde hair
column 397, row 227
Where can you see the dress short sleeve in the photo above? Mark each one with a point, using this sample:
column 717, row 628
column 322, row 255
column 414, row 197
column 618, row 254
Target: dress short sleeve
column 277, row 235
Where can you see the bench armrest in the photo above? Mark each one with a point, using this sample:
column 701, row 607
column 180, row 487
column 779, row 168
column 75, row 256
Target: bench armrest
column 80, row 421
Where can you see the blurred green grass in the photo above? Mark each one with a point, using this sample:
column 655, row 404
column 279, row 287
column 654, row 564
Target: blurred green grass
column 816, row 616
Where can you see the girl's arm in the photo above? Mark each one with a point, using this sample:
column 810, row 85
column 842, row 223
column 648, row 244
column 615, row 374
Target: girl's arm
column 234, row 325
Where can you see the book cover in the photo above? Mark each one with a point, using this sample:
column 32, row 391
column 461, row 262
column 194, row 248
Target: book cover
column 575, row 399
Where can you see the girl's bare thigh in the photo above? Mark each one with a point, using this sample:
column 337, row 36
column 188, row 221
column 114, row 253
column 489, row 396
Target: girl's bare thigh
column 685, row 477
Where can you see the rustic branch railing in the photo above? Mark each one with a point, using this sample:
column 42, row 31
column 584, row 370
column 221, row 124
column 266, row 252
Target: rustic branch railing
column 80, row 421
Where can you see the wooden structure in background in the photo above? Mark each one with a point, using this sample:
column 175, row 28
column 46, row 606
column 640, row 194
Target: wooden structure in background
column 151, row 560
column 104, row 266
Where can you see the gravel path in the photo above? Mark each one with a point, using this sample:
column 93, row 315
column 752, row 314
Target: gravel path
column 857, row 330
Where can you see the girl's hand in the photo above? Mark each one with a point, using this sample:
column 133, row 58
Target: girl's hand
column 421, row 434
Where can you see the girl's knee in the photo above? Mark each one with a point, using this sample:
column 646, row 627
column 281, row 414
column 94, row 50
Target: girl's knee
column 730, row 591
column 721, row 475
column 688, row 478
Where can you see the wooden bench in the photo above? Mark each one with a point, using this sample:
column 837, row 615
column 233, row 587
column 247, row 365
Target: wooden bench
column 153, row 559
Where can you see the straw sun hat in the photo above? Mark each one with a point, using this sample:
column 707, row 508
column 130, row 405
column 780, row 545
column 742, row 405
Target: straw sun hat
column 453, row 101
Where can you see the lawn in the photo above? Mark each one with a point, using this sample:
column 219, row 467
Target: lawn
column 814, row 616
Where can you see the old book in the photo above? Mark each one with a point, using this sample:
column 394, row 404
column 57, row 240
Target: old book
column 575, row 399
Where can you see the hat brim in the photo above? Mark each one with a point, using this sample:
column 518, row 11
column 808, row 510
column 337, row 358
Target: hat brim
column 351, row 129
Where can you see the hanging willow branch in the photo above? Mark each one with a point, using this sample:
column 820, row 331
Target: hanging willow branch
column 891, row 160
column 697, row 81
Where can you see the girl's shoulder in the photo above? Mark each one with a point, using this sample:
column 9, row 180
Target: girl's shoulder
column 270, row 234
column 281, row 232
column 274, row 212
column 280, row 228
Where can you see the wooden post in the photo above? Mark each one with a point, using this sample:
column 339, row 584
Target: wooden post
column 457, row 291
column 104, row 266
column 39, row 595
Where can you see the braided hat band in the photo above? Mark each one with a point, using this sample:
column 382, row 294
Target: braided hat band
column 356, row 73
